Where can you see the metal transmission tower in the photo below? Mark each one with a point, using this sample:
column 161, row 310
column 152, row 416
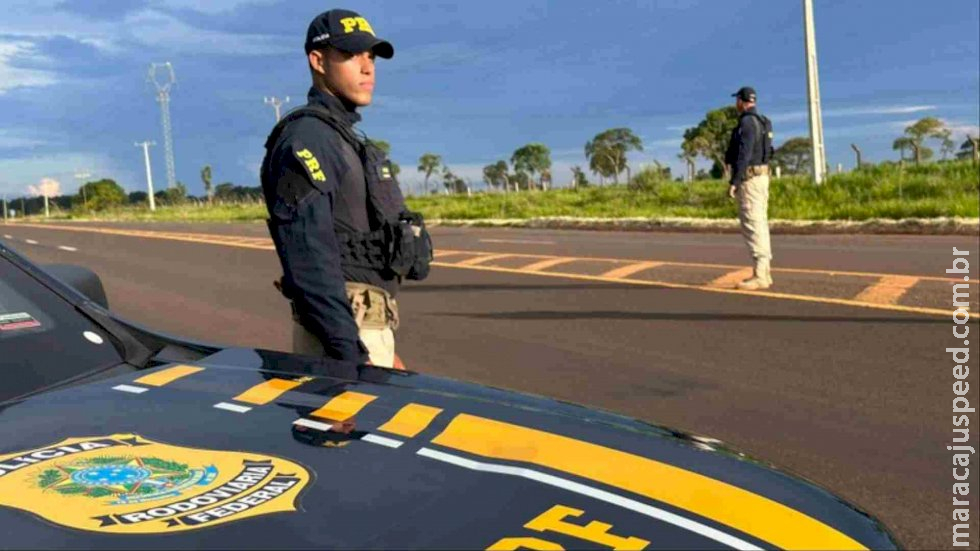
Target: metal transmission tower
column 818, row 154
column 277, row 104
column 163, row 78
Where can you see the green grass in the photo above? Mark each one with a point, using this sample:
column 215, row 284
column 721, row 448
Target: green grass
column 889, row 192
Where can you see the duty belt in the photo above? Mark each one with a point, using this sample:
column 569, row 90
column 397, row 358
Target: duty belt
column 373, row 307
column 757, row 170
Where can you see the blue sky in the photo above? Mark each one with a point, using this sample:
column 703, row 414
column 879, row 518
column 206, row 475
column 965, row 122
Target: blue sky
column 471, row 81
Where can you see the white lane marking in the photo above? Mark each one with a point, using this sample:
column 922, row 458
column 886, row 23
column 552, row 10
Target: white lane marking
column 310, row 424
column 602, row 495
column 6, row 236
column 30, row 242
column 69, row 249
column 232, row 407
column 130, row 389
column 382, row 441
column 518, row 241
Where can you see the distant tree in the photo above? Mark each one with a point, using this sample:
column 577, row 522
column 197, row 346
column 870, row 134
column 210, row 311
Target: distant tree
column 709, row 139
column 175, row 195
column 452, row 182
column 902, row 145
column 206, row 179
column 606, row 152
column 137, row 197
column 429, row 163
column 919, row 131
column 793, row 157
column 224, row 191
column 531, row 159
column 100, row 195
column 495, row 175
column 946, row 144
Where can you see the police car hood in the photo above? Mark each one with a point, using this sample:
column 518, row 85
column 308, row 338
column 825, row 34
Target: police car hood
column 251, row 449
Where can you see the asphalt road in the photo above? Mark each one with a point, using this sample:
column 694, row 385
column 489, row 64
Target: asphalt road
column 857, row 399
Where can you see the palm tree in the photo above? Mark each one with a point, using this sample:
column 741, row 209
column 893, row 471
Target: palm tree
column 429, row 163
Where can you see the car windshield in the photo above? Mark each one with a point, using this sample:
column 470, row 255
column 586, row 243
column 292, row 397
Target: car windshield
column 44, row 340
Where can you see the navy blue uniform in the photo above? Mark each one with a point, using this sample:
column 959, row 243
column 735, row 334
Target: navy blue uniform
column 314, row 186
column 745, row 148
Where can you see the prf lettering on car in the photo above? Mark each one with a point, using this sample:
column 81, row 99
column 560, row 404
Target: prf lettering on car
column 312, row 164
column 553, row 520
column 359, row 23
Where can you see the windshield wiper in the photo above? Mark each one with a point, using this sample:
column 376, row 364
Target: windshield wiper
column 130, row 348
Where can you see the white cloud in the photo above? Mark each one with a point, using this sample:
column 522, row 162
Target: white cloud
column 12, row 140
column 47, row 187
column 159, row 30
column 855, row 112
column 17, row 175
column 12, row 77
column 213, row 7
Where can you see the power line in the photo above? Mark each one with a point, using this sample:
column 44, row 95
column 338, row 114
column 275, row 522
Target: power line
column 163, row 78
column 277, row 104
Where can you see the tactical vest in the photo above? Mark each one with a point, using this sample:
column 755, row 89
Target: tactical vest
column 765, row 131
column 397, row 243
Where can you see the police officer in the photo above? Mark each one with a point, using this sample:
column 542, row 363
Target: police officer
column 336, row 214
column 748, row 155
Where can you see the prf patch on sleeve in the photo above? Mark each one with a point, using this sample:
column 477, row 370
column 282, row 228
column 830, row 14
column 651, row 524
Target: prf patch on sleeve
column 312, row 164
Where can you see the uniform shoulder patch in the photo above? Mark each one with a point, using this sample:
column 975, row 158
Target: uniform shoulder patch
column 310, row 163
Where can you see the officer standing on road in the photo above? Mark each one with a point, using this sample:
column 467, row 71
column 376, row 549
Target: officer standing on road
column 336, row 214
column 748, row 155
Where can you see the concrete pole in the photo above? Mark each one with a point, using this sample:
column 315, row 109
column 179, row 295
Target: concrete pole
column 4, row 208
column 813, row 96
column 47, row 211
column 149, row 173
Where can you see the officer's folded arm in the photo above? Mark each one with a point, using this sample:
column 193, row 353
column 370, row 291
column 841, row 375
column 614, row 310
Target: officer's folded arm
column 301, row 221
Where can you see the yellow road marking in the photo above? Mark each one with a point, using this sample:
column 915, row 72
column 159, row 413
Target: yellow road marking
column 670, row 285
column 473, row 264
column 481, row 259
column 888, row 289
column 731, row 279
column 344, row 406
column 727, row 266
column 168, row 375
column 631, row 269
column 268, row 391
column 547, row 263
column 411, row 420
column 729, row 505
column 440, row 253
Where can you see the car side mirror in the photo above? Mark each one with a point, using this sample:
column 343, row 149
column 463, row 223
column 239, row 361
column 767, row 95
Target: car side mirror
column 82, row 279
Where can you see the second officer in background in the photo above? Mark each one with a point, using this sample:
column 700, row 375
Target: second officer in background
column 748, row 155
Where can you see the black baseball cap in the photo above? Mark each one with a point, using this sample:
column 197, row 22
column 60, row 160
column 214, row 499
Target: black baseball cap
column 745, row 93
column 347, row 31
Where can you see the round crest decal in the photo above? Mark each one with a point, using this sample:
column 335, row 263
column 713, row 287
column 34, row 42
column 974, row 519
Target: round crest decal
column 127, row 484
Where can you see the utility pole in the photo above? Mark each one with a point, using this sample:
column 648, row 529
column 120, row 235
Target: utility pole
column 818, row 156
column 149, row 174
column 277, row 104
column 4, row 208
column 81, row 175
column 163, row 78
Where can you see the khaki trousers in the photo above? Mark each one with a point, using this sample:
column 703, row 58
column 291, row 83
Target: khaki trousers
column 376, row 314
column 753, row 214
